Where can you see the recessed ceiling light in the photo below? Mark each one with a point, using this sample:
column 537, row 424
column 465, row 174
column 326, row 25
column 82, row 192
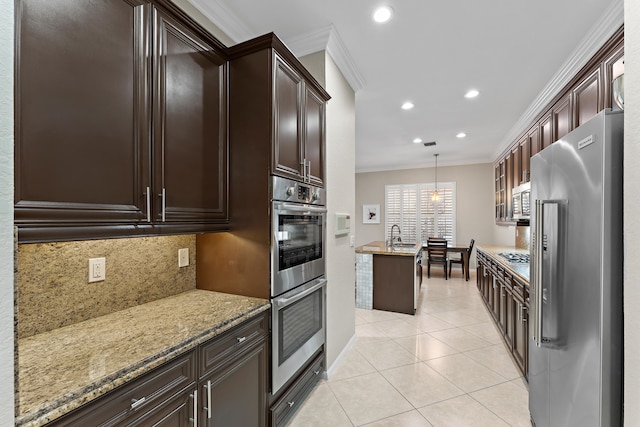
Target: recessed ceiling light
column 461, row 135
column 382, row 14
column 472, row 94
column 407, row 105
column 417, row 141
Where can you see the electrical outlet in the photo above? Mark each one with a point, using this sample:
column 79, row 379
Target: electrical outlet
column 183, row 257
column 97, row 269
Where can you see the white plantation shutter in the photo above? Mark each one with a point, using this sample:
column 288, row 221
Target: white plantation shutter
column 410, row 206
column 401, row 207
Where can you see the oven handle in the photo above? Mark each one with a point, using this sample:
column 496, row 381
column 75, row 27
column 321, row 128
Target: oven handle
column 301, row 208
column 283, row 302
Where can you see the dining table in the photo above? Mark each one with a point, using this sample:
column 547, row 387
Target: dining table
column 463, row 249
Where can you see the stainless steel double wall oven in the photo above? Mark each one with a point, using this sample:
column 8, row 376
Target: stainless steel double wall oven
column 298, row 284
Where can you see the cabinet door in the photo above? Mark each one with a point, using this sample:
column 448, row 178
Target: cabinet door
column 546, row 133
column 516, row 162
column 509, row 322
column 314, row 137
column 287, row 141
column 236, row 394
column 521, row 335
column 534, row 147
column 613, row 66
column 561, row 115
column 190, row 140
column 587, row 99
column 81, row 154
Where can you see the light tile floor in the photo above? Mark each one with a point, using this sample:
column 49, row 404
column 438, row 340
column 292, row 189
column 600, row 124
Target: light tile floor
column 445, row 366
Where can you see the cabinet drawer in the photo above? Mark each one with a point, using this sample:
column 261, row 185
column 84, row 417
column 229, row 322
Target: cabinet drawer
column 136, row 396
column 293, row 398
column 219, row 349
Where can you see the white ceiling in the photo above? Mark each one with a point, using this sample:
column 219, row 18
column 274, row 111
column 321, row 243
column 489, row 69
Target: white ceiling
column 517, row 53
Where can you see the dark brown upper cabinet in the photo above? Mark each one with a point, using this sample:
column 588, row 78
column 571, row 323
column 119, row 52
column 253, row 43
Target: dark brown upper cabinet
column 545, row 132
column 118, row 132
column 561, row 113
column 275, row 101
column 190, row 126
column 587, row 98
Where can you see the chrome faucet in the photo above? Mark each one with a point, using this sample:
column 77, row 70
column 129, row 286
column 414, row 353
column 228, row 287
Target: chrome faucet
column 391, row 238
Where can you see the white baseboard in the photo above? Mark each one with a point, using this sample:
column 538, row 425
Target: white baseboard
column 331, row 369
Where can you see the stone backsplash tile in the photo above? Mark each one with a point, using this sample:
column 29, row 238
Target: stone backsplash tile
column 52, row 278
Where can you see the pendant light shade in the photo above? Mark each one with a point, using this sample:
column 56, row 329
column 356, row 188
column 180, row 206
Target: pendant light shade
column 435, row 196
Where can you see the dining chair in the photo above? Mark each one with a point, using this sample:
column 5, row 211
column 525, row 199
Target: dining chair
column 461, row 260
column 437, row 254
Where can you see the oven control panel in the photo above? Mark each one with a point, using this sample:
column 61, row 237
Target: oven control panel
column 288, row 190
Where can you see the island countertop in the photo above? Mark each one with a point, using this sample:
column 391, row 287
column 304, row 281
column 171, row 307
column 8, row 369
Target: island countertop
column 381, row 248
column 61, row 370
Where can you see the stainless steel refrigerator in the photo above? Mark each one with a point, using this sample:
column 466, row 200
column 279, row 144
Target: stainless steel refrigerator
column 575, row 344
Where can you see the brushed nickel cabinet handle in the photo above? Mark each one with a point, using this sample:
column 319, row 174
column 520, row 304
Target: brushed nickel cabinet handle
column 148, row 204
column 137, row 402
column 194, row 396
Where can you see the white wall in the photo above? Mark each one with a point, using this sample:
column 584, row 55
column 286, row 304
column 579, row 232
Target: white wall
column 6, row 214
column 340, row 185
column 474, row 199
column 631, row 214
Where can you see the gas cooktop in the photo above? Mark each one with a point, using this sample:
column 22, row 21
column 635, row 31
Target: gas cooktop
column 518, row 258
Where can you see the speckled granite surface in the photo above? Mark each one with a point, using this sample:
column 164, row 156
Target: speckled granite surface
column 64, row 368
column 520, row 270
column 52, row 278
column 381, row 248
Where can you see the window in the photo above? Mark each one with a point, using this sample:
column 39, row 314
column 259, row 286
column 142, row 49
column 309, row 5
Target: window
column 418, row 216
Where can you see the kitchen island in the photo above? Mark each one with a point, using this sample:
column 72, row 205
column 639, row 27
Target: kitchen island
column 388, row 277
column 61, row 370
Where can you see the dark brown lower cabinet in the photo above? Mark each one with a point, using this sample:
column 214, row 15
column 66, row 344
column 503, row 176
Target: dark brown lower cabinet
column 175, row 412
column 231, row 390
column 287, row 403
column 235, row 395
column 521, row 332
column 506, row 298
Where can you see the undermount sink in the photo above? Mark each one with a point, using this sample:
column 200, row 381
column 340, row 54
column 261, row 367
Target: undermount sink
column 403, row 245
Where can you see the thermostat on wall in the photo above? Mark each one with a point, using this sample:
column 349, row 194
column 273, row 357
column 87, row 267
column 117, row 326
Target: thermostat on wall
column 343, row 224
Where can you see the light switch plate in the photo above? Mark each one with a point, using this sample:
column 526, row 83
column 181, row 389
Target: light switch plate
column 183, row 257
column 97, row 269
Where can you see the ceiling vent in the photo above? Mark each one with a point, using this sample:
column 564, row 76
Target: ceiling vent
column 429, row 144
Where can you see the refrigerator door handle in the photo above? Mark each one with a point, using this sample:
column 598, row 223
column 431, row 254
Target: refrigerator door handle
column 546, row 240
column 536, row 275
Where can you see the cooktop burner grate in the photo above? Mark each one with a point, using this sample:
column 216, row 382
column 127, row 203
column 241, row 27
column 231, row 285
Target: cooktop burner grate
column 518, row 258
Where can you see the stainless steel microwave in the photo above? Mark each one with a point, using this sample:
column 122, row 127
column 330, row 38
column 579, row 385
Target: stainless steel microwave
column 520, row 197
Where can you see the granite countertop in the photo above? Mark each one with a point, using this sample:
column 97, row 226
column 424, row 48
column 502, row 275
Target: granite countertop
column 381, row 248
column 520, row 270
column 62, row 369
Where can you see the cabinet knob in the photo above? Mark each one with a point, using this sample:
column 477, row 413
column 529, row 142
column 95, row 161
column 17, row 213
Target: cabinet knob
column 241, row 339
column 291, row 403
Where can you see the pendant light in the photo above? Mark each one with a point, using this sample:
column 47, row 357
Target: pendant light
column 435, row 196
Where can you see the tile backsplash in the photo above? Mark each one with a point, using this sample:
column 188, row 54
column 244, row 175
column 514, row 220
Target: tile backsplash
column 52, row 278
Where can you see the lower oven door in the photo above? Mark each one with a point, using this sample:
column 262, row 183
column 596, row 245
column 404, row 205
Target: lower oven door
column 298, row 326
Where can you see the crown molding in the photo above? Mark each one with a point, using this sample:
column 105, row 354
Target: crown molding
column 328, row 39
column 223, row 18
column 610, row 22
column 305, row 44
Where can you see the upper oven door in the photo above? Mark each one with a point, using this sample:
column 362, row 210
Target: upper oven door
column 298, row 253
